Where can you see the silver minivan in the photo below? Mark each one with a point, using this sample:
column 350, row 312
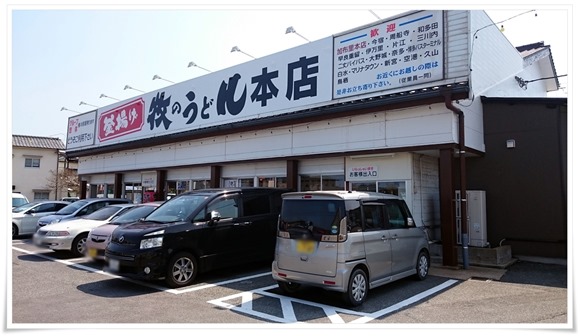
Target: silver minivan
column 347, row 241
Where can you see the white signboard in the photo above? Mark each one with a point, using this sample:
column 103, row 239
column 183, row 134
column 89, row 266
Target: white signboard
column 81, row 130
column 363, row 173
column 283, row 82
column 397, row 53
column 148, row 180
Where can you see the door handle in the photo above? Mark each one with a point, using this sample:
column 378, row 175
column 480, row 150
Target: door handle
column 243, row 223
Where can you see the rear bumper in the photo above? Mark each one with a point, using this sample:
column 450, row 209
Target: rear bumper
column 53, row 243
column 338, row 283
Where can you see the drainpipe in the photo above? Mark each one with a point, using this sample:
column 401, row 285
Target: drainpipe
column 462, row 178
column 56, row 179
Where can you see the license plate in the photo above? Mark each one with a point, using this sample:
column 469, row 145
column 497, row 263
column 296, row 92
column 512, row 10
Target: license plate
column 305, row 246
column 114, row 265
column 93, row 252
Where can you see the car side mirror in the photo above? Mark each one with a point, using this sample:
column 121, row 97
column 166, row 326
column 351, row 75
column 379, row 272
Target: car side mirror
column 213, row 217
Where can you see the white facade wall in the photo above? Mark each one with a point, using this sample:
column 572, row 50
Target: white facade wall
column 255, row 169
column 321, row 165
column 103, row 179
column 189, row 173
column 425, row 125
column 425, row 193
column 509, row 87
column 493, row 57
column 132, row 177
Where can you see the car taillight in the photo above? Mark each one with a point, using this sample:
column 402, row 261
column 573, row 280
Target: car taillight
column 342, row 232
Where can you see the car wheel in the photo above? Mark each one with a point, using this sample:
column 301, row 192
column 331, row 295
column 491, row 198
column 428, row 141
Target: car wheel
column 14, row 231
column 422, row 265
column 181, row 270
column 79, row 245
column 358, row 288
column 288, row 287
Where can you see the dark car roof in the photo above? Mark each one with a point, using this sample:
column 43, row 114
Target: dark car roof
column 230, row 190
column 95, row 199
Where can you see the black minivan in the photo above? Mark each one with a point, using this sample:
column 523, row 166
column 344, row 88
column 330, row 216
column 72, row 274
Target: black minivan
column 195, row 232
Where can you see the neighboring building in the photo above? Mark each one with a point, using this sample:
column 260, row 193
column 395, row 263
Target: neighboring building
column 35, row 160
column 524, row 174
column 392, row 107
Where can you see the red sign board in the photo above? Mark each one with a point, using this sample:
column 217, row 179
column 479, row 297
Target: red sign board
column 122, row 120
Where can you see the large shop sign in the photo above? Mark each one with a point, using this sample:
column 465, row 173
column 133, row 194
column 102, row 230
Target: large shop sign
column 404, row 51
column 284, row 82
column 396, row 53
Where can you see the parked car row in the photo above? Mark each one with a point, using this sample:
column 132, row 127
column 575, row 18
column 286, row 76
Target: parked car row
column 343, row 241
column 71, row 235
column 26, row 217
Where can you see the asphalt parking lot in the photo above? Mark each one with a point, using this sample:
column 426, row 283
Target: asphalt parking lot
column 51, row 290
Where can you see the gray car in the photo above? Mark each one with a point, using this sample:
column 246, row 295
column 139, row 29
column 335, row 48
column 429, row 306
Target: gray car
column 78, row 209
column 348, row 242
column 25, row 217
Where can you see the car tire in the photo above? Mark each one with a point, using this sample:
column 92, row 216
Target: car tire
column 422, row 266
column 79, row 245
column 181, row 270
column 14, row 231
column 358, row 288
column 289, row 287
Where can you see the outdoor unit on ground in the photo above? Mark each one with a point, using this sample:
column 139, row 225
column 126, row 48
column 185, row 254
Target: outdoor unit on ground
column 476, row 218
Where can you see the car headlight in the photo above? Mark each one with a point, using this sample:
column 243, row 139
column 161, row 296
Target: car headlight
column 151, row 243
column 57, row 233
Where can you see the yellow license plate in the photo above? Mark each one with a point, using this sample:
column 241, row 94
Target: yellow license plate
column 92, row 252
column 305, row 246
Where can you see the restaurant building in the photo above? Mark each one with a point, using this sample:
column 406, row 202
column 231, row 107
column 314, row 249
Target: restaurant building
column 393, row 106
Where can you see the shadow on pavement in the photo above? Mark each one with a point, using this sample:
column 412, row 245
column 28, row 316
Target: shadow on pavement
column 533, row 273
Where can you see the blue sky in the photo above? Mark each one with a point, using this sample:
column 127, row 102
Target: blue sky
column 61, row 56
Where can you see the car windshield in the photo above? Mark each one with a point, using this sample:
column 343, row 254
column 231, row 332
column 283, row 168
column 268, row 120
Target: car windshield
column 71, row 208
column 104, row 213
column 18, row 201
column 312, row 217
column 134, row 214
column 177, row 209
column 25, row 207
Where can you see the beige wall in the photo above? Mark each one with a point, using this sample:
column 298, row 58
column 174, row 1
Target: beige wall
column 27, row 180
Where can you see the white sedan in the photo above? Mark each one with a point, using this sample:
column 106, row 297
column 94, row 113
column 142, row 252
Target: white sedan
column 72, row 235
column 24, row 217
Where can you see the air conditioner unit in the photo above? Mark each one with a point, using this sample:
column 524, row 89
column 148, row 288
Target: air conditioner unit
column 476, row 218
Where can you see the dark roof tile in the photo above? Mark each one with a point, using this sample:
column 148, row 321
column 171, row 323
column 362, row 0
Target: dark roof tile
column 37, row 142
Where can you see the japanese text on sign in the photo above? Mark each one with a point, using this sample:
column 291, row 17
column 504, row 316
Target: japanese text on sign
column 363, row 172
column 279, row 83
column 398, row 53
column 81, row 130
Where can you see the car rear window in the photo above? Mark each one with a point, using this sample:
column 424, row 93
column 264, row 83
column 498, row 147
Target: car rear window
column 311, row 218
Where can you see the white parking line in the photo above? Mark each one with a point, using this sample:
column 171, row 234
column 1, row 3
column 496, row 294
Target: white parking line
column 196, row 288
column 289, row 316
column 73, row 263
